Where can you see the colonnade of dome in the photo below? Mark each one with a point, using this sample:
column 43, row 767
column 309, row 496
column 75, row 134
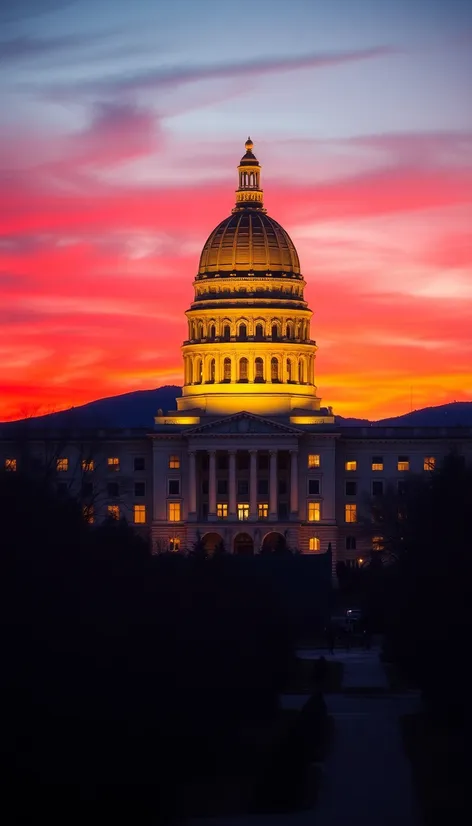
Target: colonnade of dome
column 246, row 328
column 276, row 368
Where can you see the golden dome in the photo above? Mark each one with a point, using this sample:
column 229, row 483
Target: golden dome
column 249, row 241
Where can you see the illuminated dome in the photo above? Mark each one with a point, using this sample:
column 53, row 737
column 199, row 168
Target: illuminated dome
column 249, row 240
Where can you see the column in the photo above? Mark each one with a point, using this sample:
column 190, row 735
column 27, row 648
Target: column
column 250, row 374
column 253, row 484
column 273, row 486
column 293, row 481
column 212, row 486
column 192, row 484
column 232, row 484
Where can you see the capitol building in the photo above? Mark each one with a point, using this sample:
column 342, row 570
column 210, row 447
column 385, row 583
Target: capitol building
column 250, row 460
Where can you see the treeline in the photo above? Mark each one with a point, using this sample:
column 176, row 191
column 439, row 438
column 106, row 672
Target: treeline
column 125, row 675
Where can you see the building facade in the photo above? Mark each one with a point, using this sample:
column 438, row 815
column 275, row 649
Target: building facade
column 249, row 460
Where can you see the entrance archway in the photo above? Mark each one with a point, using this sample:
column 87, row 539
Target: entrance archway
column 243, row 545
column 211, row 541
column 274, row 542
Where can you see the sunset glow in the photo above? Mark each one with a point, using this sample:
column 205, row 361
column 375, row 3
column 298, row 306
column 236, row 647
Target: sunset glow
column 122, row 129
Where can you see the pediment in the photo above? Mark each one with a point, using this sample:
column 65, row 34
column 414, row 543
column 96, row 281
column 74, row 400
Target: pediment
column 241, row 424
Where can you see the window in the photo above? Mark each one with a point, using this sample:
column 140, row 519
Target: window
column 313, row 487
column 350, row 543
column 350, row 513
column 174, row 462
column 87, row 488
column 227, row 369
column 263, row 486
column 259, row 333
column 62, row 464
column 313, row 460
column 403, row 463
column 263, row 511
column 113, row 512
column 173, row 511
column 314, row 511
column 222, row 461
column 222, row 486
column 283, row 513
column 259, row 371
column 222, row 510
column 377, row 543
column 88, row 465
column 243, row 512
column 139, row 463
column 88, row 514
column 377, row 463
column 274, row 369
column 377, row 488
column 139, row 513
column 113, row 463
column 243, row 487
column 10, row 464
column 243, row 369
column 351, row 488
column 351, row 464
column 242, row 332
column 113, row 489
column 139, row 488
column 263, row 461
column 429, row 463
column 314, row 543
column 226, row 335
column 174, row 487
column 174, row 543
column 243, row 461
column 212, row 370
column 282, row 486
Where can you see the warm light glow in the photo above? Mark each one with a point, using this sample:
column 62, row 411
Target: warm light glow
column 88, row 514
column 360, row 561
column 243, row 512
column 222, row 510
column 314, row 511
column 174, row 462
column 314, row 543
column 351, row 465
column 173, row 511
column 113, row 463
column 10, row 464
column 88, row 465
column 174, row 543
column 403, row 463
column 139, row 512
column 377, row 543
column 377, row 463
column 313, row 460
column 350, row 513
column 263, row 511
column 62, row 464
column 429, row 463
column 113, row 511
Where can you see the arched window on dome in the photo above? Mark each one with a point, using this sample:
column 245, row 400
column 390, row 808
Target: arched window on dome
column 212, row 334
column 242, row 332
column 226, row 332
column 190, row 372
column 200, row 331
column 289, row 370
column 259, row 332
column 212, row 371
column 275, row 332
column 243, row 369
column 274, row 369
column 259, row 370
column 198, row 371
column 289, row 329
column 227, row 370
column 301, row 372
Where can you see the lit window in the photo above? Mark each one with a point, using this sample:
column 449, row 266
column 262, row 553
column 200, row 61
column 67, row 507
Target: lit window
column 222, row 510
column 314, row 543
column 377, row 543
column 113, row 463
column 263, row 511
column 174, row 543
column 88, row 465
column 113, row 511
column 403, row 463
column 350, row 543
column 314, row 460
column 243, row 512
column 88, row 514
column 350, row 513
column 377, row 463
column 314, row 511
column 351, row 465
column 174, row 511
column 139, row 514
column 10, row 464
column 174, row 462
column 174, row 487
column 62, row 464
column 429, row 463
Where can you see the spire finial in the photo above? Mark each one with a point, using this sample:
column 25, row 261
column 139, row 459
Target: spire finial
column 249, row 145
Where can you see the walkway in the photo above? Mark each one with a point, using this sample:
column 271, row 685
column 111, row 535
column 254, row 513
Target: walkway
column 366, row 776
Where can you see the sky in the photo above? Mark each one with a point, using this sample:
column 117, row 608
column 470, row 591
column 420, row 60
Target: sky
column 122, row 125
